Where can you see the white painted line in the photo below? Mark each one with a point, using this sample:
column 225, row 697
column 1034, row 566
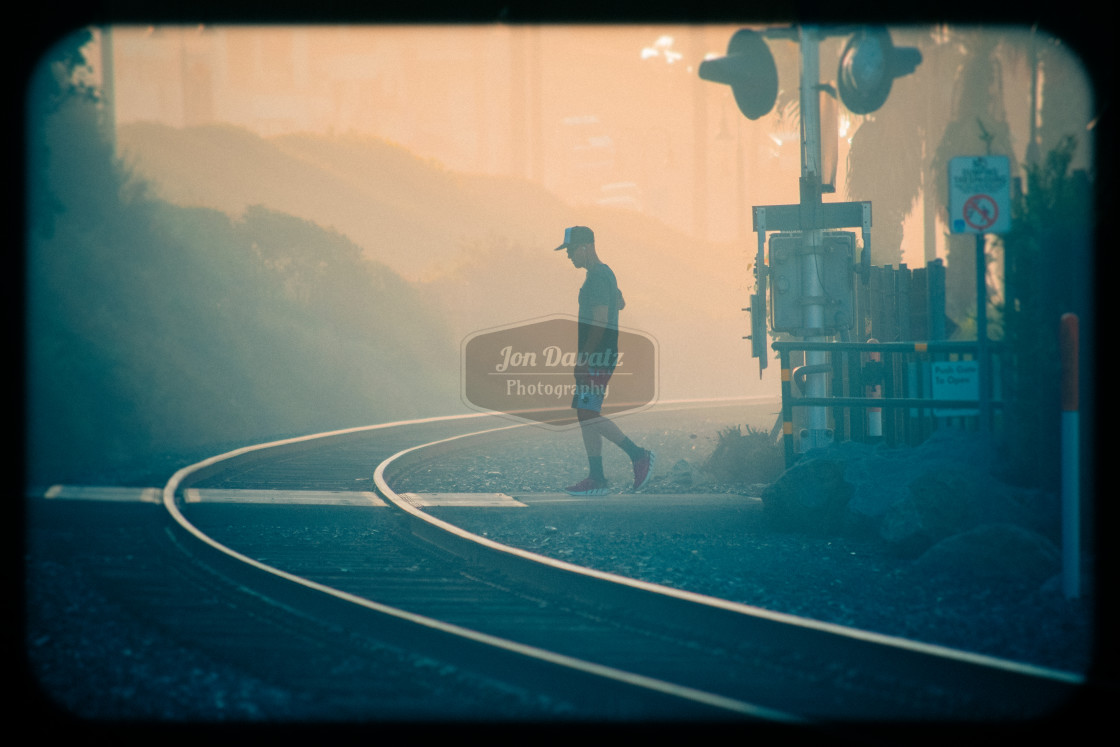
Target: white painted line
column 462, row 499
column 103, row 493
column 284, row 497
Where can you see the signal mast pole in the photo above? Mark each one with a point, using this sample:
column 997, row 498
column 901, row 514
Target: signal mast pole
column 817, row 434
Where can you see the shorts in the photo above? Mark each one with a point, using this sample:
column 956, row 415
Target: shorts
column 591, row 389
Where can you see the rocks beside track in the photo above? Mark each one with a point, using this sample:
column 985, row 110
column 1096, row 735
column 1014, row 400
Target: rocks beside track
column 941, row 504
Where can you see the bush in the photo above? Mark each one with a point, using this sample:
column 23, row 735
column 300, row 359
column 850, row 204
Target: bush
column 750, row 457
column 1048, row 269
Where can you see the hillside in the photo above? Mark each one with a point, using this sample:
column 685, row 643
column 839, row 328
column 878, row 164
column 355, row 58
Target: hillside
column 157, row 333
column 480, row 247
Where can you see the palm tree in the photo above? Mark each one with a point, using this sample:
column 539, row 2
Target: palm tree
column 951, row 105
column 979, row 126
column 891, row 151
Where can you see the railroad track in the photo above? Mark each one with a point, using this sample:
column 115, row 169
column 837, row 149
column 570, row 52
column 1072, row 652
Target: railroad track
column 343, row 588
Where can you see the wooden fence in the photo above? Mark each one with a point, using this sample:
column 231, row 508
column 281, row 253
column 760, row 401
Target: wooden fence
column 902, row 305
column 903, row 311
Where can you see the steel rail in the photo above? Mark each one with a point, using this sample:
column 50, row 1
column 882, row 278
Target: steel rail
column 738, row 608
column 940, row 666
column 722, row 614
column 170, row 501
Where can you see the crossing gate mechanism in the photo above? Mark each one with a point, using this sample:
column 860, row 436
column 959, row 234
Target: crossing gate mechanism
column 832, row 266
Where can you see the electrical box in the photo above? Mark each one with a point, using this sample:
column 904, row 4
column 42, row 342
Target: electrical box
column 785, row 282
column 758, row 328
column 835, row 268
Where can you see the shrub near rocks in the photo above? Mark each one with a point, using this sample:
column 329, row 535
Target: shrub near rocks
column 747, row 458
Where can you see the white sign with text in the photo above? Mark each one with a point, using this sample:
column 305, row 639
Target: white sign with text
column 980, row 194
column 958, row 380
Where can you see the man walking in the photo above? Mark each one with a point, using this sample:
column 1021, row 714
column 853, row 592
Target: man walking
column 599, row 304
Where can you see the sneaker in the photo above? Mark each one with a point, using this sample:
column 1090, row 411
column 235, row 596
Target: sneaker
column 589, row 486
column 643, row 469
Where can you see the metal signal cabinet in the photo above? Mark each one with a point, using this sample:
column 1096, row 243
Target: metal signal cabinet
column 836, row 268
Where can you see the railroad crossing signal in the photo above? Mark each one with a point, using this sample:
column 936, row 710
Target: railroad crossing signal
column 868, row 66
column 757, row 336
column 750, row 71
column 866, row 71
column 834, row 269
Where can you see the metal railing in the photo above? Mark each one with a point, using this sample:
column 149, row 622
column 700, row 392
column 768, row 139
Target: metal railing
column 897, row 392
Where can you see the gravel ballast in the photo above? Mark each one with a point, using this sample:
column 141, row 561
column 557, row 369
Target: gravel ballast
column 92, row 658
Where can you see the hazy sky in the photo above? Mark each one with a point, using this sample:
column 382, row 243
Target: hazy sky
column 595, row 113
column 612, row 115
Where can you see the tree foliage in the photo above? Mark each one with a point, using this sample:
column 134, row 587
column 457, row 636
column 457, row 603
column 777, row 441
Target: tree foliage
column 1048, row 261
column 747, row 458
column 155, row 330
column 891, row 154
column 979, row 126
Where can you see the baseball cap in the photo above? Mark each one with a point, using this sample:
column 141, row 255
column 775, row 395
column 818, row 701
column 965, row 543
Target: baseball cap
column 577, row 236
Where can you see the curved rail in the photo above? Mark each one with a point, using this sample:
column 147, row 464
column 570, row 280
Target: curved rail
column 691, row 597
column 170, row 502
column 726, row 615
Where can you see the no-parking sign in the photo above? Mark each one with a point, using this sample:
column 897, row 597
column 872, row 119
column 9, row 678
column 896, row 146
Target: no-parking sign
column 979, row 194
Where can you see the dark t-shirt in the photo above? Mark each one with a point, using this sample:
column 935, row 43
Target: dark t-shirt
column 599, row 289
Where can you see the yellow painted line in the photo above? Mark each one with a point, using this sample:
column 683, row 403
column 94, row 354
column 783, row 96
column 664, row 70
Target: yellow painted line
column 103, row 493
column 343, row 498
column 284, row 497
column 462, row 499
